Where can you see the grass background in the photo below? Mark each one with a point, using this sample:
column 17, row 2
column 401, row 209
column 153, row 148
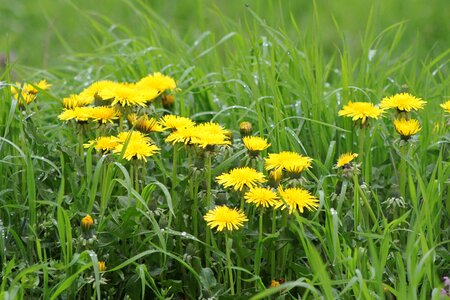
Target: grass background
column 286, row 66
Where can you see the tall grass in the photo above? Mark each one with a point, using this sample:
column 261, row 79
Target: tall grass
column 288, row 68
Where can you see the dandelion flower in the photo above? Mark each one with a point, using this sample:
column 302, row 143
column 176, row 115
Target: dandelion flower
column 255, row 144
column 289, row 161
column 261, row 196
column 274, row 283
column 27, row 92
column 210, row 134
column 76, row 101
column 132, row 135
column 174, row 122
column 101, row 266
column 402, row 102
column 182, row 135
column 345, row 159
column 407, row 128
column 297, row 198
column 127, row 95
column 446, row 106
column 136, row 149
column 103, row 143
column 80, row 114
column 360, row 111
column 144, row 123
column 223, row 217
column 87, row 222
column 103, row 114
column 204, row 139
column 157, row 81
column 94, row 90
column 239, row 177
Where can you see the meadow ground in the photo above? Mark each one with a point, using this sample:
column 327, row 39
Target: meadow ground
column 191, row 209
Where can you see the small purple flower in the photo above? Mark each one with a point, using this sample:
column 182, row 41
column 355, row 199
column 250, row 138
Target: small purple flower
column 446, row 281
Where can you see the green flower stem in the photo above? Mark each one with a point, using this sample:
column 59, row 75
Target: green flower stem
column 174, row 177
column 208, row 205
column 80, row 141
column 361, row 149
column 228, row 243
column 258, row 253
column 273, row 245
column 402, row 170
column 356, row 218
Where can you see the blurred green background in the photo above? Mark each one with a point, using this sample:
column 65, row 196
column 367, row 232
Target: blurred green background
column 41, row 33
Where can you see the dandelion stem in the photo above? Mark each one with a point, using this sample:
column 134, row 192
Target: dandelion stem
column 355, row 202
column 402, row 169
column 259, row 247
column 228, row 243
column 273, row 246
column 208, row 205
column 174, row 178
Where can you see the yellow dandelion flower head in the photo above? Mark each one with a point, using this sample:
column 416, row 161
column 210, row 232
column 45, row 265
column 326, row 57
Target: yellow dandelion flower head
column 274, row 283
column 182, row 135
column 402, row 102
column 261, row 196
column 80, row 114
column 204, row 139
column 76, row 100
column 360, row 111
column 125, row 95
column 446, row 106
column 87, row 222
column 407, row 128
column 174, row 122
column 27, row 92
column 30, row 88
column 157, row 81
column 289, row 161
column 132, row 135
column 345, row 159
column 92, row 92
column 239, row 178
column 144, row 123
column 224, row 217
column 22, row 97
column 103, row 114
column 209, row 134
column 103, row 143
column 296, row 199
column 276, row 174
column 136, row 149
column 255, row 143
column 43, row 85
column 101, row 266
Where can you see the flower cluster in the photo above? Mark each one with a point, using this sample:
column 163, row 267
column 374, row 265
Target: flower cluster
column 26, row 92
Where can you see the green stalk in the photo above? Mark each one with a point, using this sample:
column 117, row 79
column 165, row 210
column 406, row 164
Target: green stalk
column 208, row 205
column 361, row 140
column 356, row 217
column 273, row 246
column 229, row 264
column 259, row 248
column 402, row 170
column 174, row 177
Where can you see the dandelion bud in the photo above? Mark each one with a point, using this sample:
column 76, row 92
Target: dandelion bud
column 87, row 222
column 168, row 101
column 245, row 128
column 101, row 266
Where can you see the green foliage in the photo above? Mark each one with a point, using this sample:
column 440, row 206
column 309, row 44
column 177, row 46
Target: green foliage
column 287, row 67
